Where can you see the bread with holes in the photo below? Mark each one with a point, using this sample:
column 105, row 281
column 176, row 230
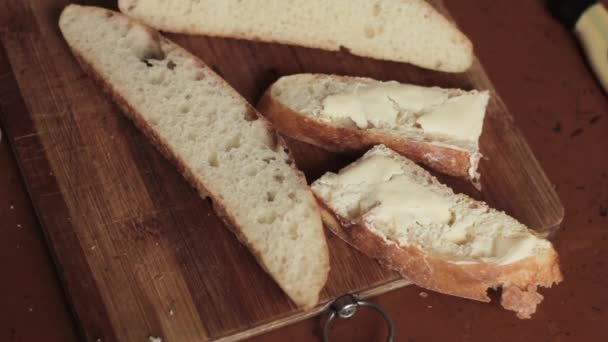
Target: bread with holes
column 221, row 145
column 437, row 127
column 393, row 210
column 410, row 31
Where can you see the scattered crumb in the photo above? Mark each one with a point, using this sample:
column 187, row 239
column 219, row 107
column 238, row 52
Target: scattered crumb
column 98, row 340
column 430, row 306
column 576, row 132
column 30, row 309
column 93, row 248
column 18, row 225
column 171, row 312
column 12, row 207
column 423, row 294
column 533, row 79
column 154, row 339
column 557, row 127
column 594, row 119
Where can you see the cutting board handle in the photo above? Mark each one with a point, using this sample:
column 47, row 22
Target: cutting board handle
column 346, row 306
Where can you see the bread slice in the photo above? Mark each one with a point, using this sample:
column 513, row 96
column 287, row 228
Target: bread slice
column 436, row 127
column 410, row 31
column 217, row 140
column 393, row 210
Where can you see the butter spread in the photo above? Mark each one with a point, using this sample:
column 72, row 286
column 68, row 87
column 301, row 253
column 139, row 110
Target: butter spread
column 460, row 117
column 391, row 196
column 402, row 202
column 380, row 190
column 504, row 249
column 457, row 234
column 376, row 105
column 391, row 104
column 514, row 248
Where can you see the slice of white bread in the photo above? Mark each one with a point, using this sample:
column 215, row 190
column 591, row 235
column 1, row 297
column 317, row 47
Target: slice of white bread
column 393, row 210
column 410, row 31
column 217, row 140
column 436, row 127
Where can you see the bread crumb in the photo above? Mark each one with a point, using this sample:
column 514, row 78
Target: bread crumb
column 30, row 309
column 93, row 248
column 576, row 132
column 98, row 340
column 171, row 312
column 430, row 306
column 18, row 225
column 12, row 207
column 154, row 339
column 423, row 294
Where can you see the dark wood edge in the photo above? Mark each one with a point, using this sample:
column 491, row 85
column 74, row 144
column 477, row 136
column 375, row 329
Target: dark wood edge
column 13, row 115
column 322, row 307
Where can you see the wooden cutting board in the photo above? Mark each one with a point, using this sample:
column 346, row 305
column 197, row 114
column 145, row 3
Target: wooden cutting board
column 139, row 253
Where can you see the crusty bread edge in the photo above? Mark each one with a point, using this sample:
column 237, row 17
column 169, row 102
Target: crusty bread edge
column 519, row 280
column 457, row 34
column 451, row 161
column 182, row 167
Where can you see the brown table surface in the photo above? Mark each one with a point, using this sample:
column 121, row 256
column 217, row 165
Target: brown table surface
column 537, row 67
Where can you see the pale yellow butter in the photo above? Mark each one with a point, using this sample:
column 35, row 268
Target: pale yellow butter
column 503, row 250
column 511, row 249
column 460, row 117
column 457, row 234
column 380, row 192
column 373, row 170
column 379, row 105
column 390, row 196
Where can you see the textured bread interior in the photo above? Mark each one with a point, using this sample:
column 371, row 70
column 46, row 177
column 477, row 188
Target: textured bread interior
column 227, row 150
column 399, row 30
column 470, row 233
column 305, row 93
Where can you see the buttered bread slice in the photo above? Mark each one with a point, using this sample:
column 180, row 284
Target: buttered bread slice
column 216, row 139
column 434, row 126
column 393, row 210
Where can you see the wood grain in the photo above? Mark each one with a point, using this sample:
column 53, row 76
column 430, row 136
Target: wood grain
column 140, row 254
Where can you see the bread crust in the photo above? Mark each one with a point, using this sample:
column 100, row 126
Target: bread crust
column 305, row 302
column 448, row 160
column 519, row 280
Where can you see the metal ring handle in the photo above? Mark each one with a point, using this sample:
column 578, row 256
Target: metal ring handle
column 345, row 307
